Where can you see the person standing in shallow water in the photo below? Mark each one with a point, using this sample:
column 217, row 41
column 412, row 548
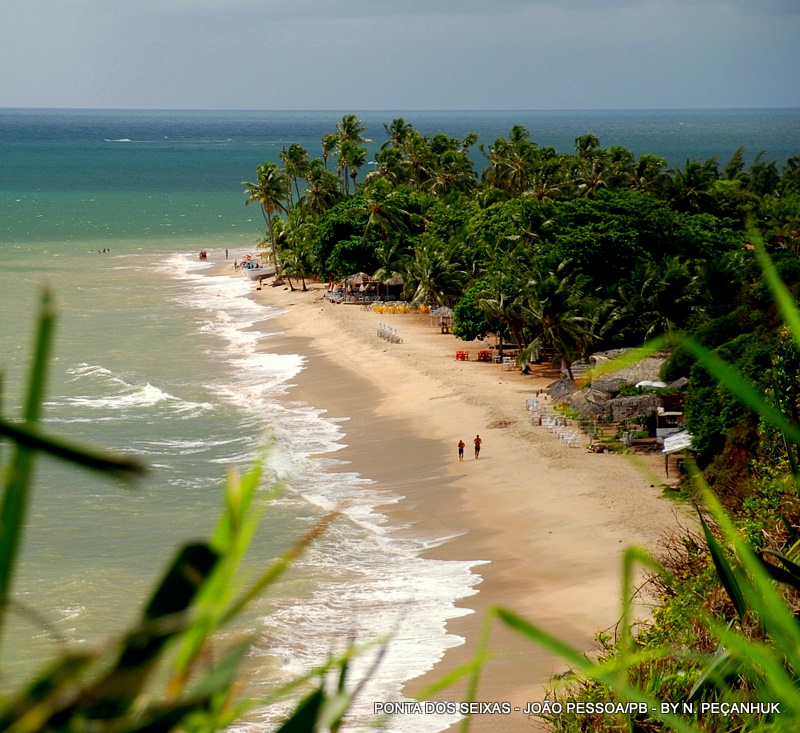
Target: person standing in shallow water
column 477, row 442
column 461, row 446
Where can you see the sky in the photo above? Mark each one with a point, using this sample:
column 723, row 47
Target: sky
column 399, row 54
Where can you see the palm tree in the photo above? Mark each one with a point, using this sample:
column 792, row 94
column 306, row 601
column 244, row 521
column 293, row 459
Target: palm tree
column 502, row 298
column 691, row 185
column 322, row 191
column 432, row 273
column 764, row 176
column 595, row 168
column 419, row 158
column 383, row 212
column 662, row 295
column 622, row 164
column 351, row 158
column 735, row 166
column 592, row 171
column 548, row 177
column 389, row 255
column 271, row 192
column 512, row 162
column 452, row 170
column 389, row 165
column 397, row 131
column 585, row 146
column 650, row 174
column 295, row 255
column 348, row 139
column 329, row 142
column 560, row 312
column 356, row 158
column 350, row 128
column 295, row 161
column 281, row 234
column 492, row 174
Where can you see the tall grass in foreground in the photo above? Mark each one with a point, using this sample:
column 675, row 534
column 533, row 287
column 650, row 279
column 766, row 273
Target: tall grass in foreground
column 171, row 670
column 755, row 657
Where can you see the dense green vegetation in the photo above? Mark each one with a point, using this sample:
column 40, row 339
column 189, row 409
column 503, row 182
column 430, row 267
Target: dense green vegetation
column 594, row 249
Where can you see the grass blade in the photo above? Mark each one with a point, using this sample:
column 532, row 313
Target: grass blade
column 784, row 298
column 33, row 439
column 725, row 571
column 17, row 490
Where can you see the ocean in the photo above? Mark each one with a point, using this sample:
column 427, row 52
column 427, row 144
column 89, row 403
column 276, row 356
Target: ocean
column 155, row 355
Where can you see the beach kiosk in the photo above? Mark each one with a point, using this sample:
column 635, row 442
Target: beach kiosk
column 674, row 444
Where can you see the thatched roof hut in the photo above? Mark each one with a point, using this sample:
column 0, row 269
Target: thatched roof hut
column 590, row 402
column 608, row 383
column 359, row 278
column 632, row 408
column 562, row 390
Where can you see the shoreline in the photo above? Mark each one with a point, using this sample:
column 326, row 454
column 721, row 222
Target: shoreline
column 545, row 524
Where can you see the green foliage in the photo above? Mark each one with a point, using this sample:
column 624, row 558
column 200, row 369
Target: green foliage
column 614, row 232
column 346, row 221
column 470, row 321
column 728, row 199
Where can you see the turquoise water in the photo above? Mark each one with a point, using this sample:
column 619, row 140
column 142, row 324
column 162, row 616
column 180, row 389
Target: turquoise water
column 156, row 356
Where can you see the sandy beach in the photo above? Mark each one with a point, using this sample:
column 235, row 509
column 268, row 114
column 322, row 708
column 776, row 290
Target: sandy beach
column 548, row 521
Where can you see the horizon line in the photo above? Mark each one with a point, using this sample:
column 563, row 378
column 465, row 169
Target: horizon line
column 395, row 109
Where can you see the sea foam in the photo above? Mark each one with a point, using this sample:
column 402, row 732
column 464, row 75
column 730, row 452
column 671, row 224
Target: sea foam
column 362, row 580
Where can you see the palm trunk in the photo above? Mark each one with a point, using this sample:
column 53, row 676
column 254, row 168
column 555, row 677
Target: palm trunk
column 268, row 218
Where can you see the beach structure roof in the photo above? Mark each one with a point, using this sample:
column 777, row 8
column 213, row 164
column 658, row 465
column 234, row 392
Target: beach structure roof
column 608, row 383
column 631, row 408
column 589, row 402
column 394, row 280
column 440, row 313
column 359, row 278
column 561, row 390
column 677, row 442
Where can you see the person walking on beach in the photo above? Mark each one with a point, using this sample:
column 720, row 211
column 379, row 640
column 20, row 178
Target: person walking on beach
column 461, row 446
column 477, row 442
column 226, row 253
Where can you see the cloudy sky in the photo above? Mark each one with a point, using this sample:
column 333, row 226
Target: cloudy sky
column 400, row 54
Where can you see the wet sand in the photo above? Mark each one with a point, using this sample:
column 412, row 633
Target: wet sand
column 549, row 521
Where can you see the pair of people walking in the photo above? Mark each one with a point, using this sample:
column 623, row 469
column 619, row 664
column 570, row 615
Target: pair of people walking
column 462, row 445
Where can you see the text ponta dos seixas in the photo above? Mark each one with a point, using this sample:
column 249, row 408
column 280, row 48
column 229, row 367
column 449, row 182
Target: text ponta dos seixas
column 433, row 707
